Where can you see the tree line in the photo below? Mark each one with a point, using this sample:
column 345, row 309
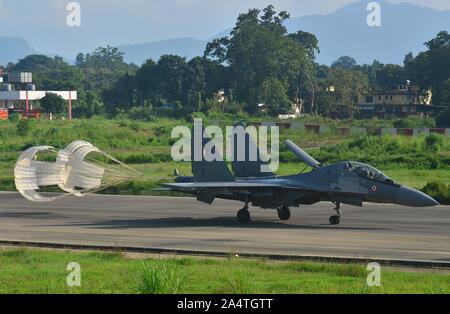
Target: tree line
column 258, row 66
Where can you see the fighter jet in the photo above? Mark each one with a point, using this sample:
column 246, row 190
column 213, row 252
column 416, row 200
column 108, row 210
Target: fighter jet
column 347, row 182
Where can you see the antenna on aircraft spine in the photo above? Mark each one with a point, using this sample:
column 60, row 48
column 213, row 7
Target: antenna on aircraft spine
column 300, row 153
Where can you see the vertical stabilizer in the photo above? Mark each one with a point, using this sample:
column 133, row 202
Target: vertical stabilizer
column 250, row 166
column 203, row 170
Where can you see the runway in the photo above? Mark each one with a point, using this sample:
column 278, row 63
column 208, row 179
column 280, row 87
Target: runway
column 374, row 231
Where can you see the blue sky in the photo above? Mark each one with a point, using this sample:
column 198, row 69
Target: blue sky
column 43, row 22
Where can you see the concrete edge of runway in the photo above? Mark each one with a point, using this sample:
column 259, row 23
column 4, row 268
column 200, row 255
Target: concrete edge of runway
column 424, row 264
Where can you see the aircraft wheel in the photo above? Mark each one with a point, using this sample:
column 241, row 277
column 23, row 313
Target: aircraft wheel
column 284, row 213
column 243, row 216
column 335, row 220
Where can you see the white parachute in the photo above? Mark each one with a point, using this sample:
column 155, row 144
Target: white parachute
column 31, row 174
column 79, row 169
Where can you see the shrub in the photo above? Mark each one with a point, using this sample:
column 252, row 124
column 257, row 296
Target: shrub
column 141, row 113
column 159, row 278
column 415, row 122
column 53, row 103
column 239, row 282
column 439, row 191
column 53, row 131
column 135, row 126
column 14, row 117
column 24, row 126
column 162, row 130
column 146, row 158
column 433, row 143
column 198, row 115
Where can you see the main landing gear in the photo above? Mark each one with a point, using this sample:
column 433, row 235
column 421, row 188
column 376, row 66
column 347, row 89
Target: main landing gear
column 336, row 219
column 243, row 215
column 284, row 213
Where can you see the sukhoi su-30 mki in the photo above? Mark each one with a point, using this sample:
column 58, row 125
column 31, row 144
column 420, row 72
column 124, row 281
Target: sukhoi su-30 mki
column 346, row 182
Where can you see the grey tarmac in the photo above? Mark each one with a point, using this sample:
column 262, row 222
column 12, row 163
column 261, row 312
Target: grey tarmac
column 374, row 231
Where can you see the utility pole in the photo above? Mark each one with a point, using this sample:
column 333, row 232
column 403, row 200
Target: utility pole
column 313, row 94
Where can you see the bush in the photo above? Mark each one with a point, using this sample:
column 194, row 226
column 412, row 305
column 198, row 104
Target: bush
column 135, row 126
column 141, row 113
column 439, row 191
column 24, row 126
column 146, row 158
column 14, row 117
column 198, row 115
column 433, row 143
column 53, row 103
column 415, row 122
column 239, row 282
column 159, row 278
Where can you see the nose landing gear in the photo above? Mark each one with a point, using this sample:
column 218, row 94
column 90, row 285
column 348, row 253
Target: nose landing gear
column 336, row 219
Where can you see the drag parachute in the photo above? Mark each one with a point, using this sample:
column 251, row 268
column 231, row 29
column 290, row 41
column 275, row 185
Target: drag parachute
column 78, row 169
column 31, row 174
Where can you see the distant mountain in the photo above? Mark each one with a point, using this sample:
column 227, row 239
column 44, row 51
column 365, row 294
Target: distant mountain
column 185, row 47
column 13, row 49
column 404, row 28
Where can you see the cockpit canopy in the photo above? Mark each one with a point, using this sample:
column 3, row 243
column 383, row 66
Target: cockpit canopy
column 368, row 172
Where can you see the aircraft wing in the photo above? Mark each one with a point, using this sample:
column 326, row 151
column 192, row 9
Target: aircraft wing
column 215, row 185
column 193, row 186
column 208, row 191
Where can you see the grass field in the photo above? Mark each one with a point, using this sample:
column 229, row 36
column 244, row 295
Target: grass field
column 40, row 271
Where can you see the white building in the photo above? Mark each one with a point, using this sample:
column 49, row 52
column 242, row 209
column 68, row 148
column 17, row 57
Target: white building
column 17, row 93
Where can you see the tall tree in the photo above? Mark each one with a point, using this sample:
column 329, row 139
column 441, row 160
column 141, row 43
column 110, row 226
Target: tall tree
column 272, row 93
column 349, row 86
column 50, row 73
column 345, row 63
column 431, row 68
column 259, row 48
column 389, row 75
column 53, row 103
column 168, row 79
column 103, row 68
column 307, row 40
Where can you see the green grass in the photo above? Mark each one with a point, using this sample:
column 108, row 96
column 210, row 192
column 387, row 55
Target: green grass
column 419, row 178
column 40, row 271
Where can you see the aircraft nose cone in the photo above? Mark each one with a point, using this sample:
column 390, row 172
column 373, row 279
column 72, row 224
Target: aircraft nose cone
column 411, row 197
